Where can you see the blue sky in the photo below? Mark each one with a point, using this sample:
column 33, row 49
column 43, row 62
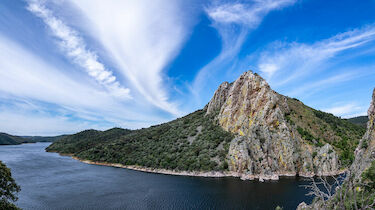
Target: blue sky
column 69, row 65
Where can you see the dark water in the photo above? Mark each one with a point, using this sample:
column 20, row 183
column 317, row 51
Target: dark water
column 51, row 181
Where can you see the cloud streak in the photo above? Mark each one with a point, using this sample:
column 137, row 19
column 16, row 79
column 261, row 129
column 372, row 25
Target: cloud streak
column 346, row 110
column 234, row 21
column 249, row 14
column 75, row 48
column 141, row 37
column 48, row 91
column 299, row 59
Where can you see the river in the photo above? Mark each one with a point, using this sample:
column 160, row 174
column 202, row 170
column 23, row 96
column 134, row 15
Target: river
column 52, row 181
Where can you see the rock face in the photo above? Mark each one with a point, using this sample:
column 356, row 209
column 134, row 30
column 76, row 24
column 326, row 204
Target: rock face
column 364, row 156
column 365, row 152
column 266, row 145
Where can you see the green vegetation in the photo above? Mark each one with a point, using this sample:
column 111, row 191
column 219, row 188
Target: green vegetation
column 6, row 139
column 368, row 176
column 317, row 128
column 191, row 143
column 85, row 140
column 359, row 194
column 8, row 188
column 309, row 137
column 361, row 121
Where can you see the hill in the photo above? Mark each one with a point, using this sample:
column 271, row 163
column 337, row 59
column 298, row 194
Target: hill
column 361, row 121
column 246, row 129
column 7, row 139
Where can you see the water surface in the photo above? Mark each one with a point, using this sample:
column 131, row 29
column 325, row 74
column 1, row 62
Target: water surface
column 51, row 181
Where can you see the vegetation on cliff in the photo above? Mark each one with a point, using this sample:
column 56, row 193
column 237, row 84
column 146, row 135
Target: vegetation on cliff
column 8, row 188
column 317, row 128
column 358, row 189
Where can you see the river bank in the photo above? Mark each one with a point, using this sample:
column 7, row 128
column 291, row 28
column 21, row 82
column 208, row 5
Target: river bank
column 212, row 174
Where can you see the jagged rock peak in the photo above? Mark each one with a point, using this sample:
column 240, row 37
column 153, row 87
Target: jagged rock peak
column 221, row 94
column 266, row 145
column 247, row 100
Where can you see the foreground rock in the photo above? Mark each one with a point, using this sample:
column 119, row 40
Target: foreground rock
column 365, row 152
column 357, row 190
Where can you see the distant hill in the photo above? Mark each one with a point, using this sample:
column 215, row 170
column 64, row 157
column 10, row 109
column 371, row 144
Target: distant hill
column 7, row 139
column 361, row 121
column 31, row 139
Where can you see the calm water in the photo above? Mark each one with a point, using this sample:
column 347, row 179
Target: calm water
column 51, row 181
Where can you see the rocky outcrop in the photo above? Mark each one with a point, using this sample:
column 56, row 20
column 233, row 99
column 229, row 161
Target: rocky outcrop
column 219, row 98
column 326, row 161
column 365, row 152
column 266, row 145
column 364, row 156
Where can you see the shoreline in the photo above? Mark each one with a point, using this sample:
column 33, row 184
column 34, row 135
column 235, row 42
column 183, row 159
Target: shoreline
column 210, row 174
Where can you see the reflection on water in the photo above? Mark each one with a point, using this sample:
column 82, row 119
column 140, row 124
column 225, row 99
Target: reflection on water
column 51, row 181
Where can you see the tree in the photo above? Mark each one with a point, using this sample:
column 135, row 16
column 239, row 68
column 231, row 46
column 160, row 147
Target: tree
column 342, row 193
column 8, row 188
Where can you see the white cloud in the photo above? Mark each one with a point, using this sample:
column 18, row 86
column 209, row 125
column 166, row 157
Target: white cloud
column 318, row 85
column 42, row 88
column 74, row 47
column 233, row 21
column 141, row 38
column 346, row 110
column 291, row 61
column 249, row 14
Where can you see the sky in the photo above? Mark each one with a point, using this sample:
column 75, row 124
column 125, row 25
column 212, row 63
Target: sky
column 70, row 65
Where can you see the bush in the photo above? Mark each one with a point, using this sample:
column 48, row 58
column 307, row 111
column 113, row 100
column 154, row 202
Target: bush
column 369, row 175
column 164, row 146
column 8, row 188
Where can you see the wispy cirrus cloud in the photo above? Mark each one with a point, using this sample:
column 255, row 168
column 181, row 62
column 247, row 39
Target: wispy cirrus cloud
column 31, row 89
column 234, row 21
column 141, row 38
column 346, row 110
column 249, row 14
column 299, row 59
column 75, row 48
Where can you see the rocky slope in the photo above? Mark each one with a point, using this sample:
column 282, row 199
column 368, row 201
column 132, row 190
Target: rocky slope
column 365, row 152
column 247, row 130
column 358, row 189
column 266, row 144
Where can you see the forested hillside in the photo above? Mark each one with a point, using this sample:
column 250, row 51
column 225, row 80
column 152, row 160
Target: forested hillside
column 7, row 139
column 193, row 143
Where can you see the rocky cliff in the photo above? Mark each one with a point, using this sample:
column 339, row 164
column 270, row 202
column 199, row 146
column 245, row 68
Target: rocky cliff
column 266, row 144
column 365, row 152
column 357, row 191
